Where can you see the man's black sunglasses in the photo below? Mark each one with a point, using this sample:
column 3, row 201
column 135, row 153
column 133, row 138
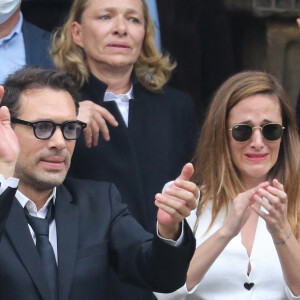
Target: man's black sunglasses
column 44, row 130
column 243, row 132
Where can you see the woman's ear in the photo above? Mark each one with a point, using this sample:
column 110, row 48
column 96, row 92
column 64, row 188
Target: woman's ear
column 76, row 33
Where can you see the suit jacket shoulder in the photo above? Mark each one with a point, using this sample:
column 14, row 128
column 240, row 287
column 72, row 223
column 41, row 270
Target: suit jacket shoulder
column 37, row 42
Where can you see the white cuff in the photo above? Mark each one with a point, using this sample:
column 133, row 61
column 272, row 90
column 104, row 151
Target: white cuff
column 172, row 242
column 10, row 182
column 179, row 294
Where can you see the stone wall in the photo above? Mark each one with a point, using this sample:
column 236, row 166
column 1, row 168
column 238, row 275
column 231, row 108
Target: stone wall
column 266, row 37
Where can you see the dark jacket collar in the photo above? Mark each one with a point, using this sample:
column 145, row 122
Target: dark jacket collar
column 94, row 88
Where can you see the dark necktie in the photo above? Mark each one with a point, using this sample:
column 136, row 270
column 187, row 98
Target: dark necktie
column 41, row 228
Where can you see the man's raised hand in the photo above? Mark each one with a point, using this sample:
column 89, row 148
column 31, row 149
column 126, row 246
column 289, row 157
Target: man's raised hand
column 9, row 145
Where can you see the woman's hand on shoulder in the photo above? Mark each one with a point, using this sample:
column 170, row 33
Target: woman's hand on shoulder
column 95, row 116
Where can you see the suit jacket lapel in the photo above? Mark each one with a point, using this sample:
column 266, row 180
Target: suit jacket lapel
column 66, row 218
column 20, row 237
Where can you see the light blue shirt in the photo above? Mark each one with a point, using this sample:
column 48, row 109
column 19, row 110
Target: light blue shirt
column 12, row 51
column 152, row 7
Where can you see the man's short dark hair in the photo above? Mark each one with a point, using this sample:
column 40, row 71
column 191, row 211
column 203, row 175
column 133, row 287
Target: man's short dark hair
column 36, row 78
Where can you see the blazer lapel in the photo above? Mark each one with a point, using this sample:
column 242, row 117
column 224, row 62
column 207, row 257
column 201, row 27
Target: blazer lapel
column 20, row 237
column 66, row 218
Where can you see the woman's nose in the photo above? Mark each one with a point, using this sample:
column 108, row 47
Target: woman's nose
column 257, row 139
column 120, row 26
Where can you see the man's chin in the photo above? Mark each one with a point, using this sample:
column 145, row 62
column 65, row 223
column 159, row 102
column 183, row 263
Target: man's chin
column 50, row 180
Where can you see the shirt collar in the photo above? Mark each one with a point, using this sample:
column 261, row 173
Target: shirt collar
column 30, row 205
column 15, row 31
column 109, row 96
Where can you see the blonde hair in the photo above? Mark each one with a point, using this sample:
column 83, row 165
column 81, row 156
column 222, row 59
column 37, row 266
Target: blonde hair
column 214, row 169
column 152, row 69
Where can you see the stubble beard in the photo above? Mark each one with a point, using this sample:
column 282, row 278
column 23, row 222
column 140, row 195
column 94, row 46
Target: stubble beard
column 39, row 181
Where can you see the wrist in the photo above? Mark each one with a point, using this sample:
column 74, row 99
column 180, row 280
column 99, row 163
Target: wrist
column 283, row 240
column 170, row 232
column 226, row 233
column 7, row 170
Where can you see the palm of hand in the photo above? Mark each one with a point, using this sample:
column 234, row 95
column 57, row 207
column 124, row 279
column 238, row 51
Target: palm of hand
column 9, row 144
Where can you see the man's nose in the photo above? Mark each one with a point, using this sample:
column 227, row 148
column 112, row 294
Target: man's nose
column 57, row 140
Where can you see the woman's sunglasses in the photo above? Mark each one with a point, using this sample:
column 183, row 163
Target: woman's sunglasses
column 243, row 132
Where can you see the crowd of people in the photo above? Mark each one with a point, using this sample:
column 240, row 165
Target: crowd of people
column 95, row 184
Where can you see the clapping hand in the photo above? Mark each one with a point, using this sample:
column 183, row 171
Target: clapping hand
column 240, row 210
column 274, row 201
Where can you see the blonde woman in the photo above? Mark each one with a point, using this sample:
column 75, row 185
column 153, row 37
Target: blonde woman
column 109, row 47
column 247, row 165
column 144, row 136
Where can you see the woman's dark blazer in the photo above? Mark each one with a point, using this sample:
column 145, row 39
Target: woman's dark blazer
column 141, row 158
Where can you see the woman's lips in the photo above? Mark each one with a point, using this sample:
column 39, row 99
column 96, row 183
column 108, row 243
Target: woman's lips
column 118, row 46
column 256, row 156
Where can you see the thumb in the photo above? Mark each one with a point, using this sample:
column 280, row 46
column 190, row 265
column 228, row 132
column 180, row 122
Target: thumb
column 298, row 21
column 186, row 172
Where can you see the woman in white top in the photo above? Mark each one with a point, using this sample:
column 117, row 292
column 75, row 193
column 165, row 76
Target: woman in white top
column 247, row 222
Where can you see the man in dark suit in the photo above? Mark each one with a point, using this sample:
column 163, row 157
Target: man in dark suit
column 22, row 44
column 92, row 229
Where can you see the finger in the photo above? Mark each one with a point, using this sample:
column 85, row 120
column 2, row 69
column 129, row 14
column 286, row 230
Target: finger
column 4, row 116
column 183, row 196
column 298, row 21
column 95, row 132
column 188, row 186
column 281, row 194
column 88, row 136
column 173, row 215
column 101, row 127
column 176, row 209
column 262, row 185
column 173, row 203
column 274, row 195
column 262, row 214
column 263, row 202
column 187, row 172
column 1, row 92
column 273, row 199
column 106, row 115
column 278, row 185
